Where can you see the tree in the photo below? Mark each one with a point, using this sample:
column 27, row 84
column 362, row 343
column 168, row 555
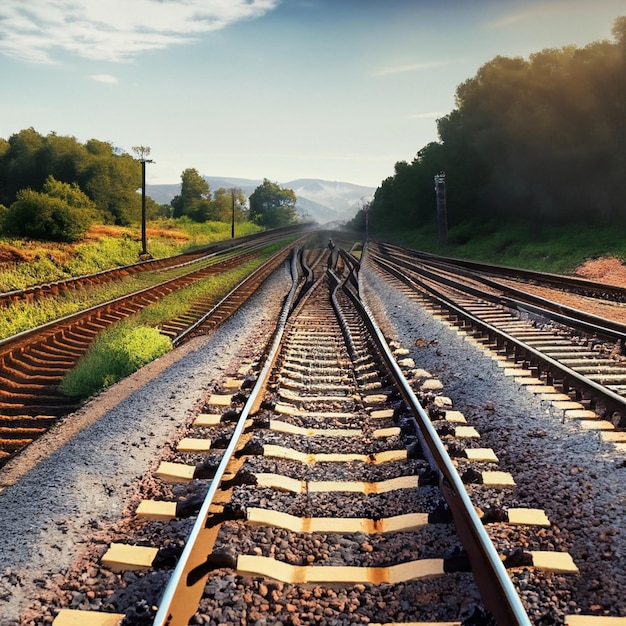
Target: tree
column 224, row 200
column 22, row 164
column 194, row 195
column 108, row 176
column 273, row 206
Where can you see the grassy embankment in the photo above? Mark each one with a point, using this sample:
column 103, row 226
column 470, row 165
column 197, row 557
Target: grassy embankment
column 132, row 343
column 559, row 250
column 24, row 263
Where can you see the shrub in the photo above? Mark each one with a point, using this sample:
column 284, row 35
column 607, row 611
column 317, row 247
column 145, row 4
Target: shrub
column 62, row 212
column 40, row 216
column 116, row 353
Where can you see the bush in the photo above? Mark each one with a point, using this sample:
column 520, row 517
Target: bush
column 40, row 216
column 62, row 212
column 116, row 353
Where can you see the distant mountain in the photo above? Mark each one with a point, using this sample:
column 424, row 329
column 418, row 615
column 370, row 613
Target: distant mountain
column 321, row 200
column 329, row 201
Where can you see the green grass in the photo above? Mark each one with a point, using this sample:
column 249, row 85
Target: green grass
column 116, row 353
column 128, row 345
column 23, row 315
column 34, row 263
column 559, row 250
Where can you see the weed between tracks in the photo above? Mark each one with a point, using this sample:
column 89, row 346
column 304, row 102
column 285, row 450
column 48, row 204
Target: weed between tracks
column 128, row 345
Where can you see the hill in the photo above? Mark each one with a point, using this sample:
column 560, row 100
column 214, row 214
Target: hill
column 321, row 200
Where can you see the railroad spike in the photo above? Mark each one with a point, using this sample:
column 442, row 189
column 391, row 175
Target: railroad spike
column 249, row 382
column 230, row 415
column 477, row 616
column 252, row 448
column 518, row 558
column 441, row 514
column 230, row 512
column 436, row 413
column 472, row 477
column 457, row 561
column 206, row 469
column 407, row 426
column 455, row 449
column 221, row 442
column 415, row 451
column 429, row 477
column 240, row 397
column 259, row 423
column 242, row 477
column 444, row 429
column 494, row 514
column 167, row 557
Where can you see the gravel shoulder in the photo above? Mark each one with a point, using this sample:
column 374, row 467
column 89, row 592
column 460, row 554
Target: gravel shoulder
column 579, row 480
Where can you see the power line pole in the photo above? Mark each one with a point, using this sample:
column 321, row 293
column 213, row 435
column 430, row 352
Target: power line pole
column 442, row 211
column 232, row 197
column 142, row 153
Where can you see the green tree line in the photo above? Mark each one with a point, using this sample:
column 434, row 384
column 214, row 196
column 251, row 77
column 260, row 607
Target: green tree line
column 271, row 205
column 54, row 187
column 539, row 139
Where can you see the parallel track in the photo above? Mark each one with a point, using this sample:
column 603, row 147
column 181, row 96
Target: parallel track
column 54, row 289
column 570, row 351
column 33, row 363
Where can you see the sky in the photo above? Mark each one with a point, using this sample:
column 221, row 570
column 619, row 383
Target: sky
column 339, row 90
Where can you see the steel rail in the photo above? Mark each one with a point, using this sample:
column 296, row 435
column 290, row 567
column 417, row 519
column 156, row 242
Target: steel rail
column 592, row 288
column 178, row 581
column 8, row 342
column 614, row 401
column 495, row 586
column 265, row 267
column 171, row 262
column 520, row 300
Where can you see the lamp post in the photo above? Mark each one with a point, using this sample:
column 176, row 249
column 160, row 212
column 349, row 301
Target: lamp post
column 142, row 153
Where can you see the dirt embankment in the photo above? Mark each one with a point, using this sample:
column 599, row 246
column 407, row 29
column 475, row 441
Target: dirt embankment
column 609, row 270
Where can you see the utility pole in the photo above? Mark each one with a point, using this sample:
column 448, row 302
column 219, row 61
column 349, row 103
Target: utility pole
column 142, row 153
column 232, row 197
column 442, row 212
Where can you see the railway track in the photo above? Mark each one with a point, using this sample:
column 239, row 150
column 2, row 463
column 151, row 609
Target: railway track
column 563, row 351
column 316, row 489
column 56, row 288
column 33, row 363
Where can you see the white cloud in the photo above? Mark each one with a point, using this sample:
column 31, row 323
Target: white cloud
column 411, row 67
column 104, row 78
column 507, row 20
column 113, row 30
column 426, row 116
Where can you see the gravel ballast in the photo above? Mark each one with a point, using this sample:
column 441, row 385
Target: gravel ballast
column 558, row 466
